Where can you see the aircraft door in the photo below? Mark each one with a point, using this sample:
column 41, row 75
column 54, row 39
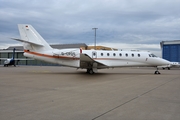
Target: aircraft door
column 94, row 54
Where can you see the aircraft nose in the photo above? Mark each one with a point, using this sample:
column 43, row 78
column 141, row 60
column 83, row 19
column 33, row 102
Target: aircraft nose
column 166, row 62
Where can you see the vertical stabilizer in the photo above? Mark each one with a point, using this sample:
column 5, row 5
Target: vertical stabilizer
column 13, row 55
column 32, row 39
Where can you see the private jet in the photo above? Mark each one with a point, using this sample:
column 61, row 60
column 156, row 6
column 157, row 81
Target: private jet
column 172, row 65
column 9, row 61
column 36, row 47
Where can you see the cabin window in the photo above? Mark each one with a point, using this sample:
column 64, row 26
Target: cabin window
column 139, row 55
column 120, row 54
column 132, row 55
column 101, row 54
column 126, row 54
column 107, row 54
column 114, row 54
column 94, row 53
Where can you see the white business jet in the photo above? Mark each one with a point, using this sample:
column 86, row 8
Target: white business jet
column 37, row 48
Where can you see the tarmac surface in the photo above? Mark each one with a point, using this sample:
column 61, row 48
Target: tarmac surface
column 60, row 93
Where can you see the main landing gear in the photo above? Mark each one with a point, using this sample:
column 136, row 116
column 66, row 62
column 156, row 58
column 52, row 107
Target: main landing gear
column 157, row 72
column 90, row 71
column 92, row 68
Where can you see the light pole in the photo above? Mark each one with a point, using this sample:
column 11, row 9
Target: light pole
column 94, row 38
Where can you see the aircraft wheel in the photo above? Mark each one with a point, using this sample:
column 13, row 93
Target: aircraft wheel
column 90, row 71
column 157, row 72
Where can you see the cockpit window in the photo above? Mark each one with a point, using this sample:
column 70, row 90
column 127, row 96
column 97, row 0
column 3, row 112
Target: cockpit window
column 153, row 55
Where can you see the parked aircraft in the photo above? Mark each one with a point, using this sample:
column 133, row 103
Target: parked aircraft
column 12, row 61
column 37, row 48
column 172, row 65
column 9, row 61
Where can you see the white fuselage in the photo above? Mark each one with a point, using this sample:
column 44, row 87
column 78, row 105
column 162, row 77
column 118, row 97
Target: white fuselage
column 71, row 57
column 125, row 58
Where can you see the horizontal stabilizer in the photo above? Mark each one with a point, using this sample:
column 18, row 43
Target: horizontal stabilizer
column 39, row 44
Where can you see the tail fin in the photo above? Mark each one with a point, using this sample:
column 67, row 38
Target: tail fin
column 31, row 38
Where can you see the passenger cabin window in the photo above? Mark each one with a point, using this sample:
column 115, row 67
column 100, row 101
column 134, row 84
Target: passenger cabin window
column 132, row 55
column 138, row 55
column 107, row 54
column 120, row 54
column 114, row 54
column 101, row 54
column 126, row 54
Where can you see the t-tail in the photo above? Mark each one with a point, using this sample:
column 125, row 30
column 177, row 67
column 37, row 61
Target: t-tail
column 32, row 39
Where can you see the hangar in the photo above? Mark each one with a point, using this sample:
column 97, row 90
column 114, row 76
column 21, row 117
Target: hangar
column 171, row 50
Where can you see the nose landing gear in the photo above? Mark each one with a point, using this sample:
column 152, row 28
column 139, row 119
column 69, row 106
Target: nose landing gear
column 157, row 72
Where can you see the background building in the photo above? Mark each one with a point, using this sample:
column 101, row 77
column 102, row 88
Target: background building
column 171, row 50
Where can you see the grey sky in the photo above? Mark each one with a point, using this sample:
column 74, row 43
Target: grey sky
column 139, row 24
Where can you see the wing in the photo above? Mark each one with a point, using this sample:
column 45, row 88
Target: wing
column 86, row 61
